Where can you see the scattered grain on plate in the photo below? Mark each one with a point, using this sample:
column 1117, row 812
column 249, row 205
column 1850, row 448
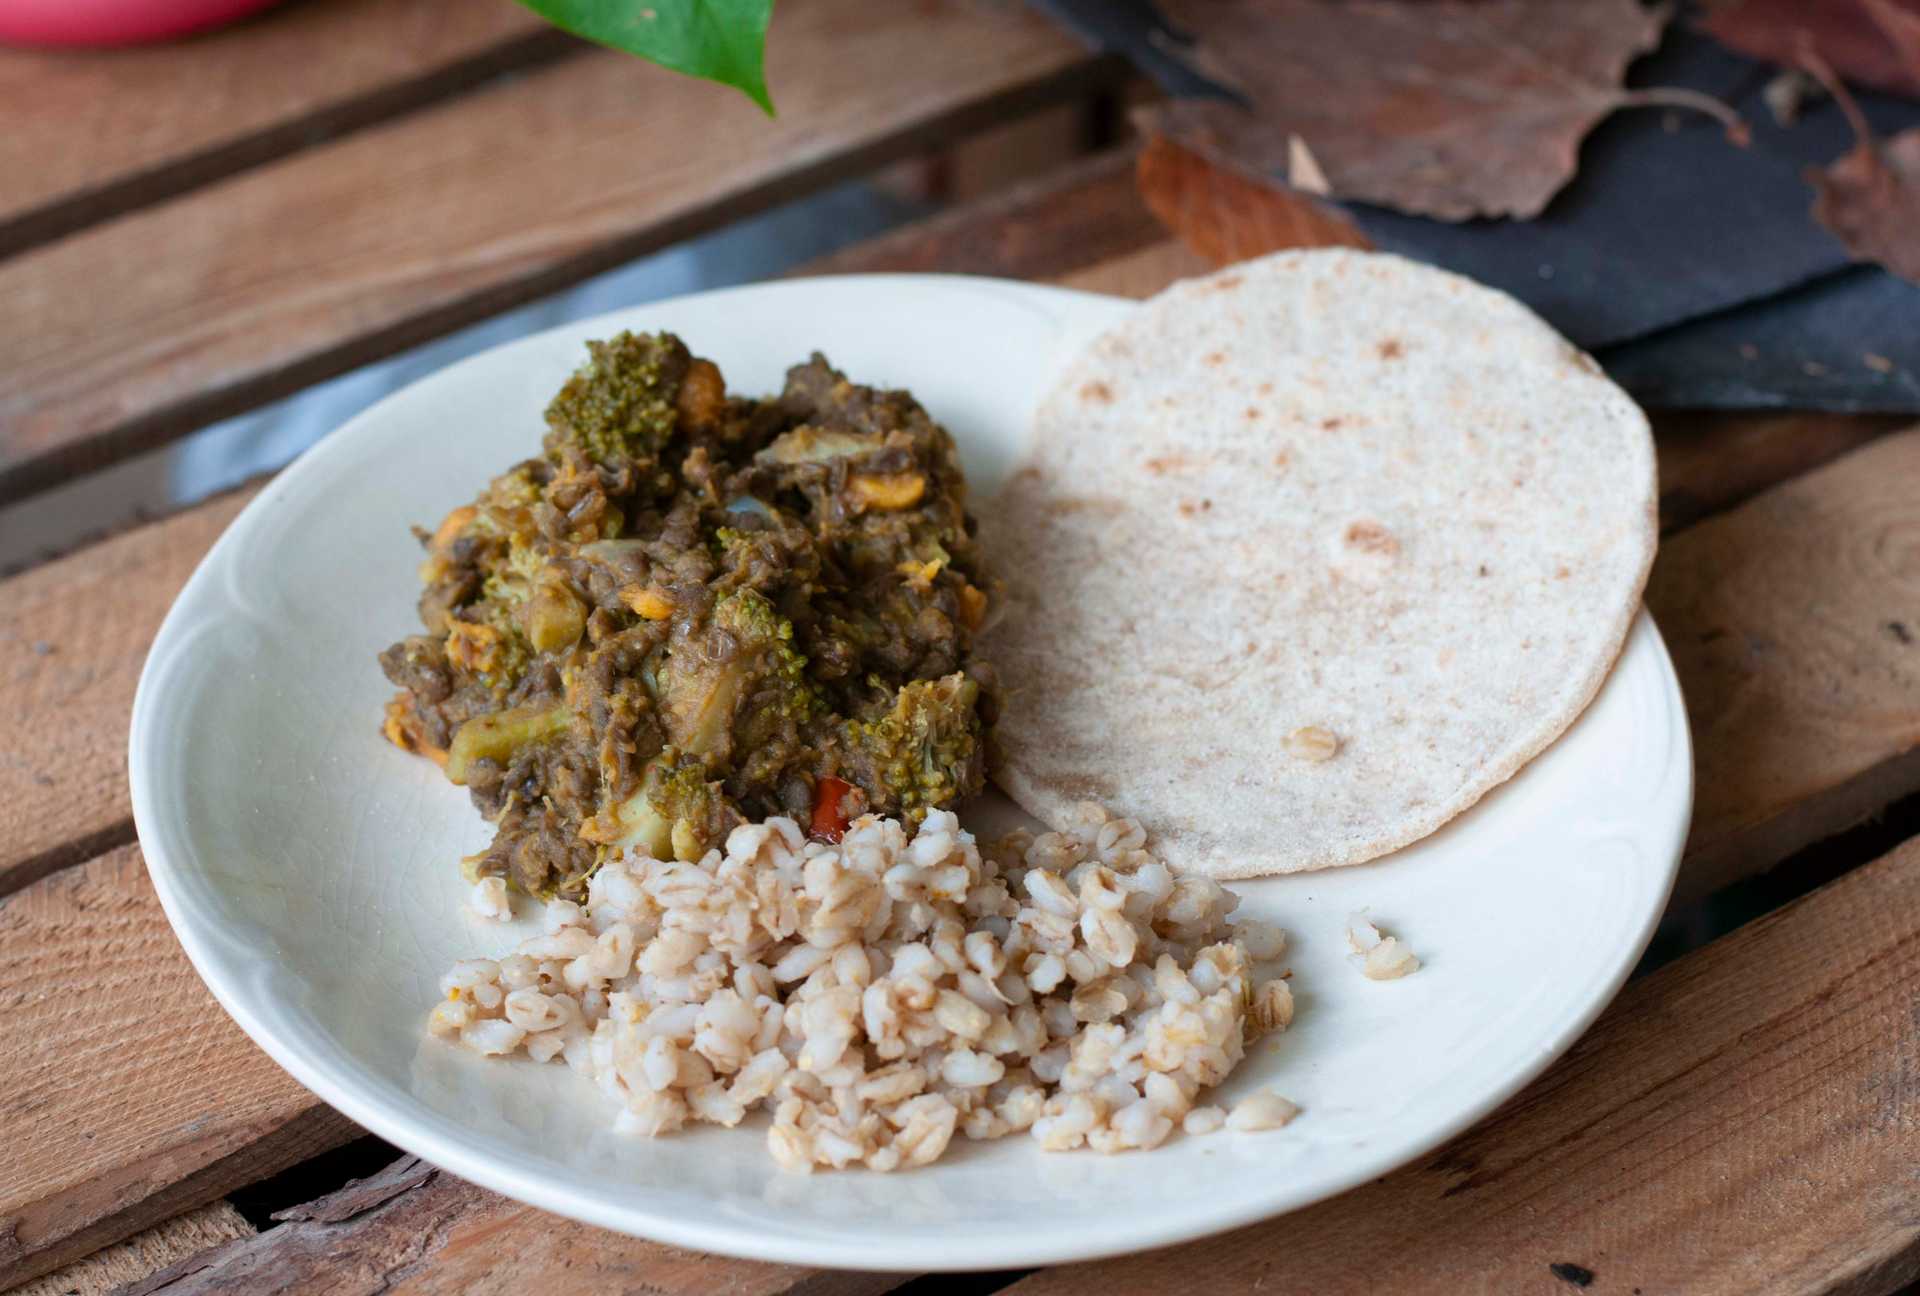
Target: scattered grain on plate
column 489, row 899
column 882, row 995
column 1203, row 1120
column 1378, row 956
column 1262, row 1109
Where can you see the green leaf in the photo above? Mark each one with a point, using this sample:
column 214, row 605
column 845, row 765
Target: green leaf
column 721, row 40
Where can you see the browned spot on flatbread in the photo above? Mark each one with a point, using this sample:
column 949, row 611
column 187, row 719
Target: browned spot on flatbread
column 1225, row 283
column 1391, row 349
column 1193, row 508
column 1281, row 459
column 1214, row 359
column 1370, row 537
column 1161, row 465
column 1252, row 414
column 1097, row 393
column 1561, row 573
column 1330, row 425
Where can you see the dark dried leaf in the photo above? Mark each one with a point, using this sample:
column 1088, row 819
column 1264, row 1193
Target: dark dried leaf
column 1452, row 109
column 1870, row 197
column 1872, row 43
column 1228, row 215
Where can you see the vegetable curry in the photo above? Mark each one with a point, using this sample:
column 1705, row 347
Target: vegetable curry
column 695, row 609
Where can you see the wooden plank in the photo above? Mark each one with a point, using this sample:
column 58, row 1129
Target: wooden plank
column 144, row 1254
column 1077, row 217
column 127, row 1095
column 136, row 331
column 1139, row 274
column 91, row 135
column 1794, row 623
column 415, row 1231
column 73, row 636
column 1744, row 1121
column 1712, row 460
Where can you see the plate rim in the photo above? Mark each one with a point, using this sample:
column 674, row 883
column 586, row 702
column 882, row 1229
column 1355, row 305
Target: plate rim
column 473, row 1163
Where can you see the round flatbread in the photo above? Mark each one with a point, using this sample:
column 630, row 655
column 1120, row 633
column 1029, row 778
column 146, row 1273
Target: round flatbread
column 1308, row 556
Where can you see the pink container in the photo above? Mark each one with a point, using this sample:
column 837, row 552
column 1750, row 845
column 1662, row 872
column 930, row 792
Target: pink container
column 114, row 22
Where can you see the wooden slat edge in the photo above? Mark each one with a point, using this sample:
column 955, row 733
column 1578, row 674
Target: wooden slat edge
column 169, row 178
column 413, row 1229
column 70, row 671
column 1078, row 216
column 126, row 1094
column 1794, row 624
column 1741, row 1122
column 94, row 134
column 146, row 1253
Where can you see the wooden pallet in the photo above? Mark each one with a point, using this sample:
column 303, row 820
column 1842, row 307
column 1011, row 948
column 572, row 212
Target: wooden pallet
column 1745, row 1119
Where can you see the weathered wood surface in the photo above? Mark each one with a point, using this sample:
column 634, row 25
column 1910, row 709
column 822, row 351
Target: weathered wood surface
column 344, row 253
column 1745, row 1121
column 126, row 1094
column 73, row 636
column 90, row 135
column 1794, row 623
column 1712, row 460
column 415, row 1230
column 1224, row 215
column 146, row 1253
column 1077, row 217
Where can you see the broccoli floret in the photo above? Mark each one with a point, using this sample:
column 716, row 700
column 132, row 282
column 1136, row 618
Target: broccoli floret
column 621, row 404
column 922, row 754
column 677, row 813
column 508, row 579
column 737, row 683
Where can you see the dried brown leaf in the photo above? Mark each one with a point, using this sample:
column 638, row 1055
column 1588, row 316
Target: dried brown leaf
column 1227, row 215
column 1872, row 43
column 1452, row 108
column 1870, row 196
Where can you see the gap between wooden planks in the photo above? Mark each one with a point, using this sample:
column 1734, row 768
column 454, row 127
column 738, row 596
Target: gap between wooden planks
column 146, row 569
column 126, row 1093
column 91, row 134
column 341, row 254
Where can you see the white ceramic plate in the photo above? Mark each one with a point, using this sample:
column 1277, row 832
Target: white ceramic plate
column 309, row 867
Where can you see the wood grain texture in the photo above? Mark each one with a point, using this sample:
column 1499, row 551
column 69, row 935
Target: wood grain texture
column 1794, row 623
column 141, row 329
column 1228, row 215
column 1077, row 217
column 127, row 1095
column 1712, row 460
column 412, row 1230
column 1745, row 1121
column 73, row 636
column 90, row 135
column 144, row 1254
column 1139, row 274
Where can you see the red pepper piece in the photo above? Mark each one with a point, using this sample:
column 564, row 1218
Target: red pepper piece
column 829, row 820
